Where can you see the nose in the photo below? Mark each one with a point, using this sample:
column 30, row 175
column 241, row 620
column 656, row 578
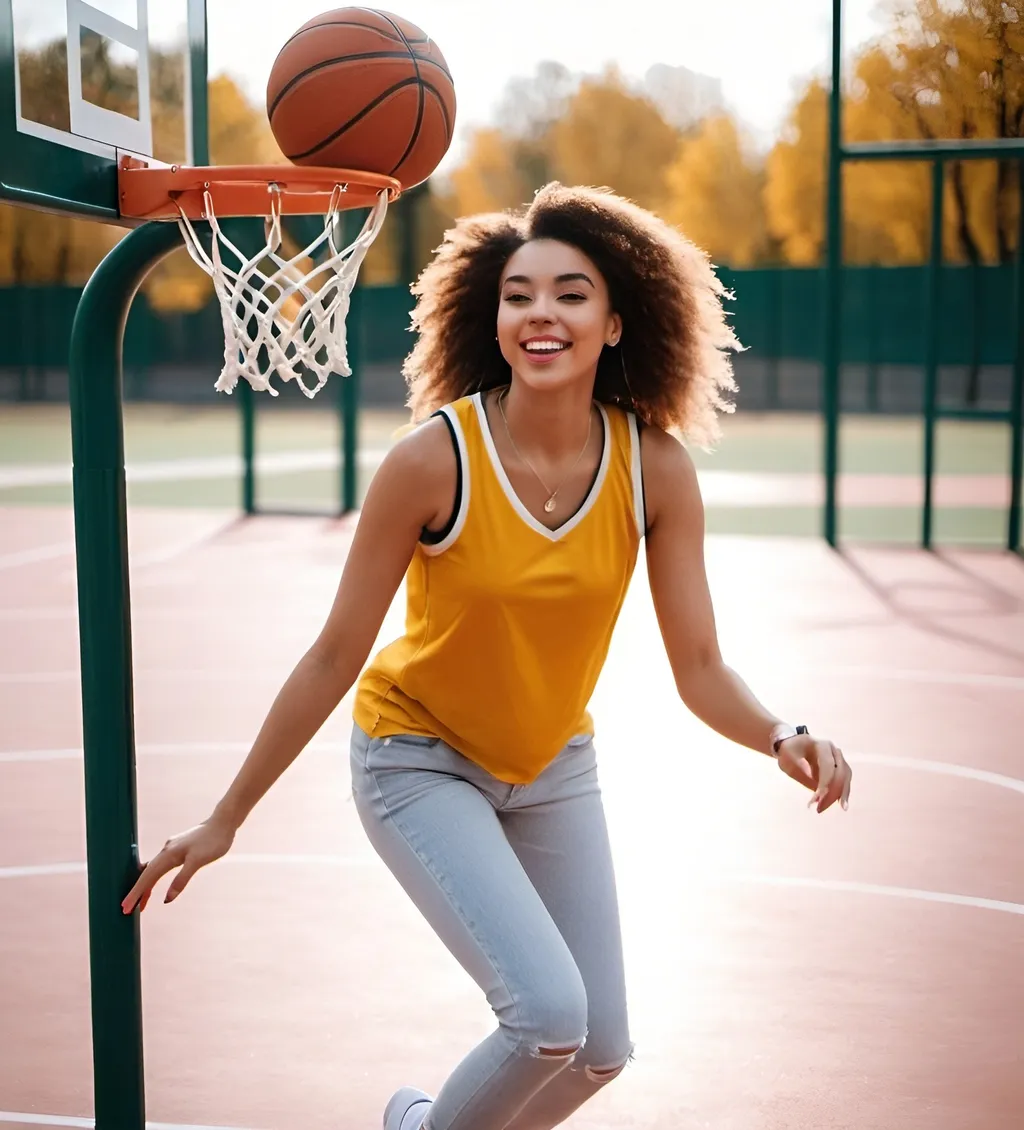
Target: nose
column 542, row 311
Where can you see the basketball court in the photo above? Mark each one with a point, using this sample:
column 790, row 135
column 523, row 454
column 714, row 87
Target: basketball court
column 787, row 971
column 856, row 970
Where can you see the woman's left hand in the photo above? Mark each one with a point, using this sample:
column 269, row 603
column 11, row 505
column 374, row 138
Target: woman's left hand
column 818, row 765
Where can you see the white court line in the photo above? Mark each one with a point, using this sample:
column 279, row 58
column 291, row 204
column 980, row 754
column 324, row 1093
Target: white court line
column 201, row 674
column 48, row 870
column 844, row 886
column 27, row 615
column 168, row 553
column 199, row 749
column 159, row 749
column 945, row 678
column 876, row 889
column 88, row 1123
column 42, row 870
column 944, row 768
column 883, row 674
column 207, row 467
column 39, row 553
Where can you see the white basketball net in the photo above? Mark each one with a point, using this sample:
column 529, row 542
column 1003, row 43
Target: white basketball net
column 281, row 315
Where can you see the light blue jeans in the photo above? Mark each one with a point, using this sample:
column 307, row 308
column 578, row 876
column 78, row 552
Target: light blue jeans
column 517, row 882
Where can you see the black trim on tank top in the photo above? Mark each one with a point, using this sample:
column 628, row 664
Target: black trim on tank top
column 435, row 537
column 643, row 496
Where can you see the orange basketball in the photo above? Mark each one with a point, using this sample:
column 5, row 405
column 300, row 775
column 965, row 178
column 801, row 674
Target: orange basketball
column 362, row 89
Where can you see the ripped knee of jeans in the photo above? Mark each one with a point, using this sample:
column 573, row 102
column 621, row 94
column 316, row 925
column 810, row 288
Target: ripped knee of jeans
column 602, row 1075
column 569, row 1053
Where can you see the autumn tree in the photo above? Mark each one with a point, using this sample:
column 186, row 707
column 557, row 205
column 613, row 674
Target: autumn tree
column 611, row 137
column 35, row 247
column 555, row 126
column 713, row 194
column 239, row 135
column 941, row 72
column 507, row 162
column 488, row 180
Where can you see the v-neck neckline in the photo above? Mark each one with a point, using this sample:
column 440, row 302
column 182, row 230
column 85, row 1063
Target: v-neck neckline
column 516, row 502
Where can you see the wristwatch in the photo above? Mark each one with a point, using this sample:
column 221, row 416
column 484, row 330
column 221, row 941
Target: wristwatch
column 783, row 731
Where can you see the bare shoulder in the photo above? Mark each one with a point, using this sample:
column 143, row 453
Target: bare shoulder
column 426, row 448
column 670, row 477
column 418, row 474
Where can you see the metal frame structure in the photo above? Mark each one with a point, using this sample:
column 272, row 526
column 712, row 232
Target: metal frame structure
column 938, row 153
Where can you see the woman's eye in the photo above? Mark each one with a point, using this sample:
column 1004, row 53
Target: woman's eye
column 517, row 298
column 574, row 297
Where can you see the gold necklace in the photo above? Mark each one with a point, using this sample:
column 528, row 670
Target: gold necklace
column 553, row 494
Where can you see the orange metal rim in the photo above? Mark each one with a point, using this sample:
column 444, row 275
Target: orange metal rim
column 163, row 192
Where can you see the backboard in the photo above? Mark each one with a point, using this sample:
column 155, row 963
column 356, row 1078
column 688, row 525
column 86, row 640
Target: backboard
column 82, row 83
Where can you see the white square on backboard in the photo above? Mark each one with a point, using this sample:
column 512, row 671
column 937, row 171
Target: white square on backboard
column 94, row 122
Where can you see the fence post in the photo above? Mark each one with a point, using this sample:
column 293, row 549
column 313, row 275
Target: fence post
column 247, row 406
column 833, row 280
column 931, row 349
column 350, row 406
column 1013, row 532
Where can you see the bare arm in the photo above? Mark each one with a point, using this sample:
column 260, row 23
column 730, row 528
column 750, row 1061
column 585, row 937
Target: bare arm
column 413, row 488
column 710, row 689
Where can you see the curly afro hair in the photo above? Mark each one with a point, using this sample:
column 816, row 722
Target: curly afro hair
column 672, row 366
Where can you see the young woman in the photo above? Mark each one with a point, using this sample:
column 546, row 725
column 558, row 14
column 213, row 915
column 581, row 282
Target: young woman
column 556, row 351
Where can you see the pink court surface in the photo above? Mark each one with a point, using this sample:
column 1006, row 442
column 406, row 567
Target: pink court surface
column 787, row 971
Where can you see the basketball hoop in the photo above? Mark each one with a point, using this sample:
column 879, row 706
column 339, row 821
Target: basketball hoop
column 279, row 313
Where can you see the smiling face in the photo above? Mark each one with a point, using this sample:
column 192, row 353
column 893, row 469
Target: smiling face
column 554, row 315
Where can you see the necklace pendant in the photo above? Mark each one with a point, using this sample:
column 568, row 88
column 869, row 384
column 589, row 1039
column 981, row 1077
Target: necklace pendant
column 549, row 505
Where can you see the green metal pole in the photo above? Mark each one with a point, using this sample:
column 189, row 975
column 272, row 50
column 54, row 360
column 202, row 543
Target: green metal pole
column 833, row 280
column 104, row 617
column 774, row 344
column 931, row 351
column 1013, row 533
column 349, row 399
column 198, row 91
column 871, row 389
column 348, row 393
column 248, row 410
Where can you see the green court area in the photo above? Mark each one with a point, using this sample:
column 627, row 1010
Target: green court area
column 764, row 477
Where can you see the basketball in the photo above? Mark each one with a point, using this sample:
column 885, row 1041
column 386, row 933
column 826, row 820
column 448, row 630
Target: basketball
column 358, row 88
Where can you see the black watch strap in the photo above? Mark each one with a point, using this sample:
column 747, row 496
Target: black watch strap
column 779, row 741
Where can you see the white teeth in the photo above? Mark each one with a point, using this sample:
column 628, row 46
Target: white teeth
column 545, row 346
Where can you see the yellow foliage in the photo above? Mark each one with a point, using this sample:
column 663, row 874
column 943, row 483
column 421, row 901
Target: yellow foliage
column 37, row 248
column 794, row 191
column 239, row 135
column 943, row 73
column 239, row 131
column 488, row 179
column 714, row 194
column 600, row 134
column 611, row 137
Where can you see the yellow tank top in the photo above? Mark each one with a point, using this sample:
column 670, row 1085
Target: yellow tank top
column 508, row 623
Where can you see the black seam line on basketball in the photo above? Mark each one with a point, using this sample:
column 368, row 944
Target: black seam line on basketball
column 295, row 79
column 358, row 118
column 422, row 97
column 444, row 112
column 398, row 30
column 351, row 23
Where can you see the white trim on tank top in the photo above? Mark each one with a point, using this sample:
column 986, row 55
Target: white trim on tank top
column 637, row 473
column 460, row 518
column 503, row 480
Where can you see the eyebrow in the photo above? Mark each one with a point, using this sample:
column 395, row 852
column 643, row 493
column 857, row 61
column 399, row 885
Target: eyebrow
column 572, row 276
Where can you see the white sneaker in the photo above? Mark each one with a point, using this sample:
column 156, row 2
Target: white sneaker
column 406, row 1109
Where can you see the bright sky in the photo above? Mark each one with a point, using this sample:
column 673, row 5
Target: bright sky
column 761, row 51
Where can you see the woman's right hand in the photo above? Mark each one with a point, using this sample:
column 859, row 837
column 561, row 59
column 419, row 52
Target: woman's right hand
column 190, row 850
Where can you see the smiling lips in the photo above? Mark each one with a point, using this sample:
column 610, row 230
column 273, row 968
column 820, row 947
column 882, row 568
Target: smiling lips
column 544, row 349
